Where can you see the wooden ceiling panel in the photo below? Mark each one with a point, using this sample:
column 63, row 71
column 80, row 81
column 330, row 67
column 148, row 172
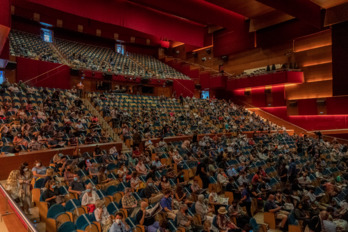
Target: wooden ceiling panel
column 329, row 3
column 248, row 8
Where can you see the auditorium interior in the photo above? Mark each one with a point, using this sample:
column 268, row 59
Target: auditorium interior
column 173, row 116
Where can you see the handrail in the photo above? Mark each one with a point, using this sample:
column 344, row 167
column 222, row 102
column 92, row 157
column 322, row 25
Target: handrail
column 29, row 225
column 44, row 73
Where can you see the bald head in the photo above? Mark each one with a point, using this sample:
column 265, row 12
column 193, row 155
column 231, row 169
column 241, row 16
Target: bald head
column 324, row 215
column 144, row 204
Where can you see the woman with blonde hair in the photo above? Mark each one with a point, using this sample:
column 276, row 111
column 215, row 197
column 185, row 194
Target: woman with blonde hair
column 101, row 214
column 24, row 181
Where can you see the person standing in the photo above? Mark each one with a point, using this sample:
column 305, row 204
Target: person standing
column 24, row 180
column 80, row 88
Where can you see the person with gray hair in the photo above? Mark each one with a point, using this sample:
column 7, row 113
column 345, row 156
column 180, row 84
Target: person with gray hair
column 203, row 210
column 129, row 202
column 185, row 220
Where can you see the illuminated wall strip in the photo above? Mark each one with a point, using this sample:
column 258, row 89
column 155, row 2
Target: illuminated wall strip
column 312, row 47
column 317, row 63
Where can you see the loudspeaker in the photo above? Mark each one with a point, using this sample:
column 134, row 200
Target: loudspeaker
column 208, row 51
column 74, row 72
column 247, row 92
column 144, row 80
column 11, row 65
column 224, row 58
column 269, row 90
column 107, row 76
column 293, row 103
column 195, row 55
column 169, row 82
column 198, row 86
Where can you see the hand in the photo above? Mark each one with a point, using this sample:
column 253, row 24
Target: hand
column 135, row 205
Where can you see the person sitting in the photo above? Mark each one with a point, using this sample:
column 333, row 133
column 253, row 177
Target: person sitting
column 51, row 195
column 167, row 204
column 203, row 210
column 185, row 220
column 151, row 192
column 270, row 206
column 222, row 178
column 223, row 224
column 129, row 202
column 141, row 218
column 119, row 224
column 38, row 170
column 77, row 186
column 135, row 182
column 165, row 183
column 89, row 198
column 141, row 168
column 102, row 215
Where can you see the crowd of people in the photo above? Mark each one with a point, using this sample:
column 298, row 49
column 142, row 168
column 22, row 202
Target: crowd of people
column 38, row 118
column 31, row 46
column 163, row 117
column 298, row 178
column 95, row 58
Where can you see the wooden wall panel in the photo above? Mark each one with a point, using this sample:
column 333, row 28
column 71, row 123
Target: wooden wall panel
column 318, row 72
column 320, row 89
column 314, row 56
column 316, row 40
column 13, row 162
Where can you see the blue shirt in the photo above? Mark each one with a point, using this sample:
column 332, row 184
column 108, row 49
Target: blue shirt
column 166, row 203
column 118, row 228
column 231, row 172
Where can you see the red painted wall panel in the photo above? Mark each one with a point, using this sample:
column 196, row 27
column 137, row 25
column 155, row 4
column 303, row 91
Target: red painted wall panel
column 278, row 96
column 258, row 97
column 58, row 77
column 125, row 14
column 307, row 107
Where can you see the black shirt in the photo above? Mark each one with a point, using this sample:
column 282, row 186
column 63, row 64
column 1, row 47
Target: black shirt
column 49, row 193
column 147, row 221
column 77, row 186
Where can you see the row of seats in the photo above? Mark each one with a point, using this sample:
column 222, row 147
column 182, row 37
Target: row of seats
column 85, row 56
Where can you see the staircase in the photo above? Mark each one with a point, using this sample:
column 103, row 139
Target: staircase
column 105, row 125
column 60, row 55
column 141, row 65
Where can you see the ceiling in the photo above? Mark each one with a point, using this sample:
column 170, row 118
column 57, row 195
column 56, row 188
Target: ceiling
column 262, row 14
column 329, row 3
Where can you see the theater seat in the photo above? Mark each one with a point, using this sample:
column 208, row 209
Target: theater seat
column 295, row 228
column 67, row 227
column 269, row 218
column 56, row 216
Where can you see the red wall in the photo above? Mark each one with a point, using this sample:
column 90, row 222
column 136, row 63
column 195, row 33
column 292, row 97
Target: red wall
column 184, row 87
column 51, row 75
column 231, row 41
column 311, row 122
column 128, row 15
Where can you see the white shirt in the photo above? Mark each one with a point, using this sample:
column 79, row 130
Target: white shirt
column 86, row 199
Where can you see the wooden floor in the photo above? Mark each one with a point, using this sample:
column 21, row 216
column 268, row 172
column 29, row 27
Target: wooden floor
column 11, row 221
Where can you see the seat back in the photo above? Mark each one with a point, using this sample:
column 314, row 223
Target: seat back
column 55, row 210
column 67, row 227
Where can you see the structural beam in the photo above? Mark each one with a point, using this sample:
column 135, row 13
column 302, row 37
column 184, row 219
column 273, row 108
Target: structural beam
column 304, row 10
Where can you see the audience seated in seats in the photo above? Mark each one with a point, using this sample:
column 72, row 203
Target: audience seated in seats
column 119, row 225
column 167, row 204
column 51, row 195
column 101, row 215
column 151, row 192
column 129, row 202
column 203, row 210
column 89, row 198
column 77, row 186
column 39, row 170
column 271, row 206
